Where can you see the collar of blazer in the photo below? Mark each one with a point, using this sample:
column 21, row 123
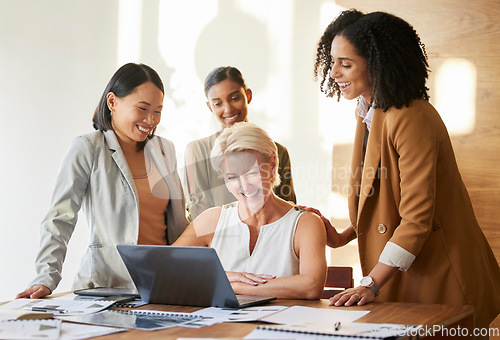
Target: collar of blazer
column 362, row 179
column 158, row 152
column 119, row 158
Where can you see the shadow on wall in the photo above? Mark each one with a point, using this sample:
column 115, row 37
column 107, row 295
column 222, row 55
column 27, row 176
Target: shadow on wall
column 150, row 49
column 236, row 39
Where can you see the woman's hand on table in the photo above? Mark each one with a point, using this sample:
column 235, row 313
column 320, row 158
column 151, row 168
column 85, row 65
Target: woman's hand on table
column 353, row 296
column 249, row 278
column 34, row 292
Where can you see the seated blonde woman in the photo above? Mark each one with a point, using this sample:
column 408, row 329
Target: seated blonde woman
column 266, row 245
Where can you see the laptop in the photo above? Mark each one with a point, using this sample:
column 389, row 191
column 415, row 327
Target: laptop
column 187, row 276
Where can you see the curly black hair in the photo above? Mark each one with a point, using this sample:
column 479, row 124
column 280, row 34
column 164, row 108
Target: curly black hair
column 396, row 58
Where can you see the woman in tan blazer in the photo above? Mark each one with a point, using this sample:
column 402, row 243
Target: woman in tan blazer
column 418, row 237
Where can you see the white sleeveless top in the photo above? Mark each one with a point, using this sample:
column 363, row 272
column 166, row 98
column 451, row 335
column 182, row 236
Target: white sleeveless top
column 273, row 254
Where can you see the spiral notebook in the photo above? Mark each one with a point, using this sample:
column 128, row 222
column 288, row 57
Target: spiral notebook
column 357, row 330
column 148, row 320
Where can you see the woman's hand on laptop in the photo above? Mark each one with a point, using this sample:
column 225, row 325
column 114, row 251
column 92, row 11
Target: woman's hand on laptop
column 34, row 292
column 249, row 278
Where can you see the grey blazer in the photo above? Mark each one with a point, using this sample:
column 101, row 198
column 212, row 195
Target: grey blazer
column 95, row 176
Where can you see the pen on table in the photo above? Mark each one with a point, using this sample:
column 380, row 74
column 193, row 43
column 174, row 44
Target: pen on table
column 47, row 309
column 337, row 325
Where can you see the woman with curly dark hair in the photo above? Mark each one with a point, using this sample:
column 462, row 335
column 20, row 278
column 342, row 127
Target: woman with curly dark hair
column 419, row 240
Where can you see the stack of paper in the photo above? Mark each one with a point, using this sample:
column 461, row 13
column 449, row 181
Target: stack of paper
column 58, row 306
column 30, row 329
column 28, row 324
column 17, row 314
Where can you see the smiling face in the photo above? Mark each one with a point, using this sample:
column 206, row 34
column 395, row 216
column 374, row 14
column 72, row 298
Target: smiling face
column 136, row 115
column 349, row 70
column 229, row 101
column 249, row 178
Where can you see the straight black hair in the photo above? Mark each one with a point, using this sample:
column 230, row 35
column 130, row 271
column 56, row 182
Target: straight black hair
column 124, row 81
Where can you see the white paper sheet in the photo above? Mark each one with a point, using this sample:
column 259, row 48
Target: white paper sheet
column 356, row 330
column 72, row 307
column 299, row 315
column 76, row 331
column 30, row 329
column 213, row 315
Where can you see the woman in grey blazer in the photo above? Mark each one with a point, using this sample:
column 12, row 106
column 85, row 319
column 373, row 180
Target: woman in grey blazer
column 125, row 179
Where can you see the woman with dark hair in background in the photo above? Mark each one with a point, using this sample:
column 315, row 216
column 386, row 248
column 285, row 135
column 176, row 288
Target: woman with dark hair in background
column 418, row 237
column 227, row 98
column 126, row 180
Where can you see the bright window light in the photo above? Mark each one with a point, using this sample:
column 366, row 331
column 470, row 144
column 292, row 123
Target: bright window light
column 456, row 95
column 129, row 31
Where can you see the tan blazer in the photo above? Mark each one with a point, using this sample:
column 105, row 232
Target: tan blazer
column 410, row 192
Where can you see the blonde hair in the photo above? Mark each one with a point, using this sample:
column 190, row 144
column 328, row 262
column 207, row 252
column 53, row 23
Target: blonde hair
column 244, row 136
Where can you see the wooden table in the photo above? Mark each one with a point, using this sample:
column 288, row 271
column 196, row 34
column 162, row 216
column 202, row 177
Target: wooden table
column 401, row 313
